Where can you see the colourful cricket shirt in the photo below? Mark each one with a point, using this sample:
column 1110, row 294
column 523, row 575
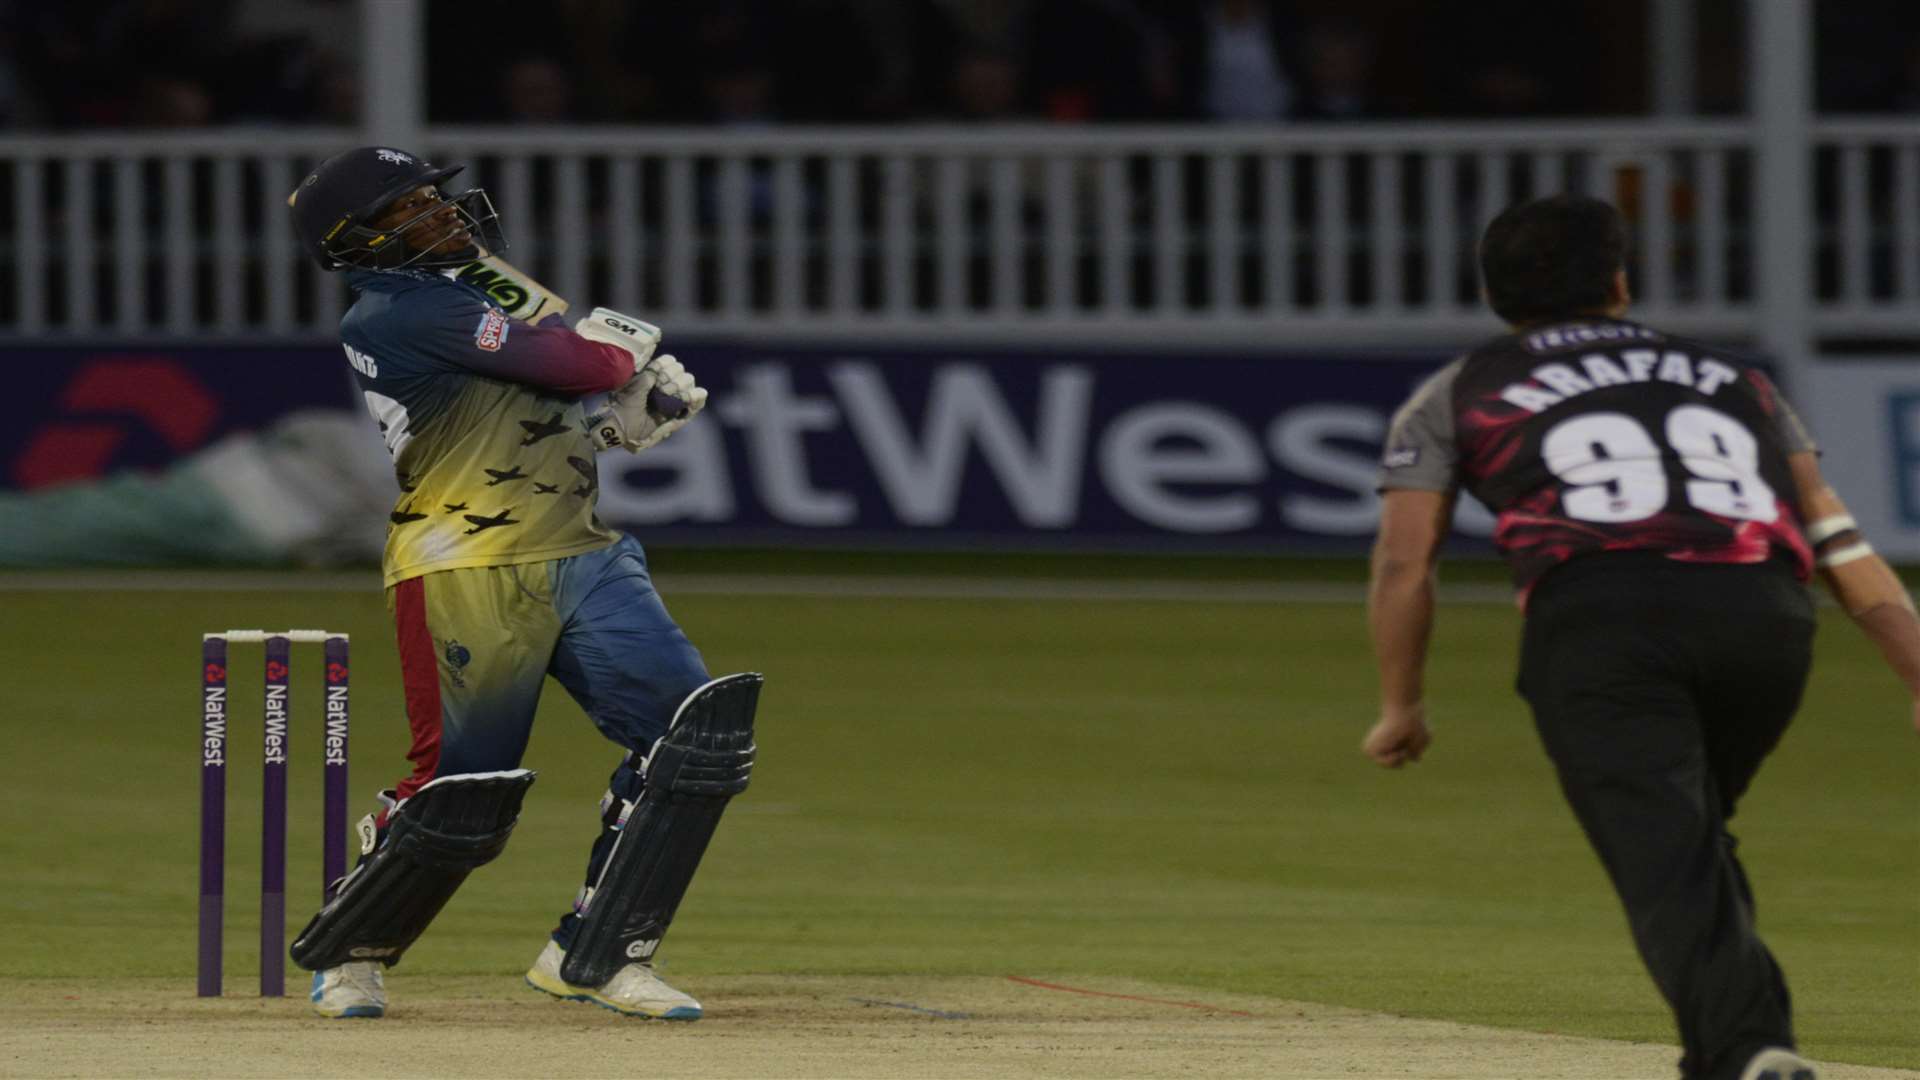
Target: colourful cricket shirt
column 484, row 421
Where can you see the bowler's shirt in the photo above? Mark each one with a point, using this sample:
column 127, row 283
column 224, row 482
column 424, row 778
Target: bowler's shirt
column 1604, row 435
column 483, row 419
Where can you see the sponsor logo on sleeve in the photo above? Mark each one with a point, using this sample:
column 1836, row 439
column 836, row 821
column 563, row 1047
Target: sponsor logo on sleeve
column 1401, row 457
column 492, row 331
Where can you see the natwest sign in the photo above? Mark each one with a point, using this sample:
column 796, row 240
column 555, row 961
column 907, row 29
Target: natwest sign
column 881, row 445
column 1264, row 451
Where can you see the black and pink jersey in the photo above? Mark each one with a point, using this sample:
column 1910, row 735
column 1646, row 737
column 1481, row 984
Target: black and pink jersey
column 1603, row 435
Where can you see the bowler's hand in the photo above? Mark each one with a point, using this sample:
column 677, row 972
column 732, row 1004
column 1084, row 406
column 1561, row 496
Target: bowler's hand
column 1400, row 736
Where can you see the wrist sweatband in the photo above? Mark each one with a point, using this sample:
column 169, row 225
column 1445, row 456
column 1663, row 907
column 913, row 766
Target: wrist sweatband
column 1829, row 527
column 1845, row 555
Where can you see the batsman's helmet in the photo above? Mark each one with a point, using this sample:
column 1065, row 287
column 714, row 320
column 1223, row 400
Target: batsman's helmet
column 333, row 205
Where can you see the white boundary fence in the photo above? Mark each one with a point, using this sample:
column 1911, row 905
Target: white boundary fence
column 1200, row 235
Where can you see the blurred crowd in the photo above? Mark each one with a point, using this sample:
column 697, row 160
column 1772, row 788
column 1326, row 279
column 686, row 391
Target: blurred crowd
column 178, row 63
column 185, row 63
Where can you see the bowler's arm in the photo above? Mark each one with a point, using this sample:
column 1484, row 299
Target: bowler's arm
column 1400, row 618
column 1861, row 581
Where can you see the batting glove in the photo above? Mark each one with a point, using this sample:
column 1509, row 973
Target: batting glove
column 637, row 336
column 634, row 417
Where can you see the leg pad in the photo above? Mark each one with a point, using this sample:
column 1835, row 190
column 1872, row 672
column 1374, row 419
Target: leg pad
column 434, row 840
column 705, row 759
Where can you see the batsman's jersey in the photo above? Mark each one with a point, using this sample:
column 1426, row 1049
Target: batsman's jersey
column 483, row 418
column 1603, row 435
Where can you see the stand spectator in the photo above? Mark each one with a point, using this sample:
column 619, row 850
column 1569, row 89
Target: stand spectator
column 537, row 90
column 1338, row 72
column 1238, row 59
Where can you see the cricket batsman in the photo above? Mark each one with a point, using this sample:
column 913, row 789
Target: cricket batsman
column 498, row 574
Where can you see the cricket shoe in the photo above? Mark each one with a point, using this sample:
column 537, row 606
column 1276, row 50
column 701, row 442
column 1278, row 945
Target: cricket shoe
column 1775, row 1063
column 350, row 990
column 634, row 990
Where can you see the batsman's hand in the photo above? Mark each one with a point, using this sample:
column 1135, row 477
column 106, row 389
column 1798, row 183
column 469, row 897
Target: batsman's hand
column 633, row 418
column 637, row 336
column 1400, row 736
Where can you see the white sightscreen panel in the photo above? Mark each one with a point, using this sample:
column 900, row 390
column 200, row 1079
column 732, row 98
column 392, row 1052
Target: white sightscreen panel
column 789, row 236
column 129, row 247
column 1003, row 199
column 1443, row 253
column 627, row 243
column 1906, row 221
column 1656, row 210
column 842, row 237
column 1384, row 265
column 1856, row 267
column 1276, row 234
column 572, row 242
column 734, row 254
column 682, row 261
column 30, row 252
column 280, row 258
column 230, row 244
column 1116, row 236
column 950, row 228
column 1711, row 217
column 181, row 241
column 1063, row 239
column 1223, row 232
column 896, row 235
column 1169, row 233
column 82, row 310
column 1330, row 232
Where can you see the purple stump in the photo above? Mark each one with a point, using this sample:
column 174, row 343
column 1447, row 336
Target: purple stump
column 333, row 812
column 273, row 820
column 213, row 808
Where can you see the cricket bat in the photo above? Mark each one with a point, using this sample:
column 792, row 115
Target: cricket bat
column 515, row 291
column 523, row 298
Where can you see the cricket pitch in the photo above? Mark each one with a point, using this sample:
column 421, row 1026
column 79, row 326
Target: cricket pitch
column 784, row 1026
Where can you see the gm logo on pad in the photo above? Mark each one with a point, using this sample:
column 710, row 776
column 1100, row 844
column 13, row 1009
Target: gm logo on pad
column 1903, row 428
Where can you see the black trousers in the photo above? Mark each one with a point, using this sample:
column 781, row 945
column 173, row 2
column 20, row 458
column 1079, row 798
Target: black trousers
column 1658, row 688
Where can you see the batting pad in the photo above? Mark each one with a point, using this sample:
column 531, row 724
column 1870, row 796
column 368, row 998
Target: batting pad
column 434, row 840
column 704, row 760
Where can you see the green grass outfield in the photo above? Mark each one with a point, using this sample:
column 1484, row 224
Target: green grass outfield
column 1159, row 789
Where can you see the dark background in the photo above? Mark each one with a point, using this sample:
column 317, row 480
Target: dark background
column 172, row 63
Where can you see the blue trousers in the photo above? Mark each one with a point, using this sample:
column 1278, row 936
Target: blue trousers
column 476, row 646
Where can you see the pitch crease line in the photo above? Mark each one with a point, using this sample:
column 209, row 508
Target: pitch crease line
column 941, row 1013
column 1127, row 997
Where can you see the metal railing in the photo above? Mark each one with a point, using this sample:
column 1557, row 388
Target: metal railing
column 1210, row 235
